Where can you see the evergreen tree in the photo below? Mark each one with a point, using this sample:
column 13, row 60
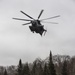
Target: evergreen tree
column 52, row 70
column 5, row 72
column 26, row 70
column 20, row 67
column 34, row 68
column 37, row 68
column 64, row 68
column 45, row 71
column 40, row 69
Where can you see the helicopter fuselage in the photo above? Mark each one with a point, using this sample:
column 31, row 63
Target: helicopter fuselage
column 37, row 27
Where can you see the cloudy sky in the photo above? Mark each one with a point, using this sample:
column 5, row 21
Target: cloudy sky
column 16, row 41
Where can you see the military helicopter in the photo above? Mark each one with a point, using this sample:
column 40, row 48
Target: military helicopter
column 36, row 25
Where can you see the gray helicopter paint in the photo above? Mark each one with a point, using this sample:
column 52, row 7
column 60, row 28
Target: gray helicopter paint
column 16, row 41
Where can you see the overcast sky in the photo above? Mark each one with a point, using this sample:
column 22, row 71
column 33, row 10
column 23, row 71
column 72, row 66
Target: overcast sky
column 16, row 41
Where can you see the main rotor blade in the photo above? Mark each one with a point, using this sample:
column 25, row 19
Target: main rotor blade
column 50, row 18
column 26, row 14
column 26, row 23
column 21, row 19
column 40, row 13
column 50, row 22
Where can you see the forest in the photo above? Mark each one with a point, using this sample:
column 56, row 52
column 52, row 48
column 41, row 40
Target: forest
column 52, row 65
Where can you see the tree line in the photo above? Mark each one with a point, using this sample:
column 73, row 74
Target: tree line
column 53, row 66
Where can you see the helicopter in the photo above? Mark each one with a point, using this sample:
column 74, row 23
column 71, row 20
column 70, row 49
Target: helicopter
column 36, row 25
